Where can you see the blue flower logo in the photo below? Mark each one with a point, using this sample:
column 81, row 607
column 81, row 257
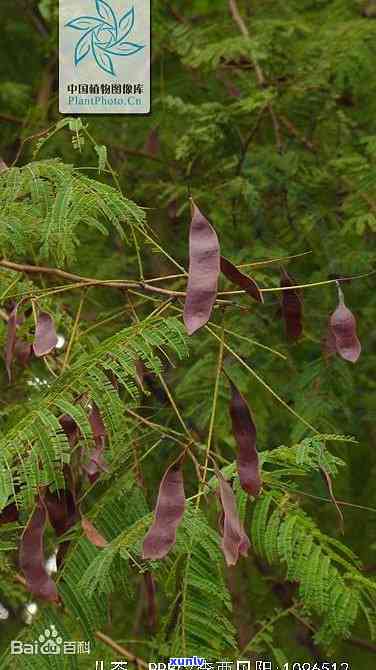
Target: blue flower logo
column 104, row 36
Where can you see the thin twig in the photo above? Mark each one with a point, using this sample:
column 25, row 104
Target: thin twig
column 235, row 13
column 262, row 382
column 121, row 650
column 73, row 334
column 11, row 119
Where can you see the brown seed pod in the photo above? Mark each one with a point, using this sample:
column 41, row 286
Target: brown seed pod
column 32, row 560
column 168, row 514
column 204, row 268
column 45, row 335
column 97, row 462
column 236, row 277
column 235, row 541
column 9, row 514
column 342, row 325
column 245, row 435
column 292, row 308
column 150, row 589
column 152, row 144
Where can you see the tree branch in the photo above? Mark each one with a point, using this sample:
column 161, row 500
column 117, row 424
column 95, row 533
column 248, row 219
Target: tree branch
column 35, row 19
column 86, row 281
column 10, row 119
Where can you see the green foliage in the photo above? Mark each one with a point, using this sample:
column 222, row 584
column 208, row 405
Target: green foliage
column 45, row 205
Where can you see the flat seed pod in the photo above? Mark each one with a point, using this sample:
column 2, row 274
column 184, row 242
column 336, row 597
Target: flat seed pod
column 168, row 514
column 97, row 426
column 9, row 514
column 150, row 598
column 32, row 560
column 235, row 542
column 328, row 343
column 23, row 352
column 97, row 463
column 62, row 510
column 343, row 328
column 70, row 428
column 204, row 268
column 236, row 277
column 152, row 144
column 45, row 335
column 245, row 435
column 92, row 534
column 11, row 341
column 292, row 308
column 63, row 515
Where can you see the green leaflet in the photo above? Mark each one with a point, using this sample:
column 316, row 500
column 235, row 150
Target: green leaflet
column 328, row 584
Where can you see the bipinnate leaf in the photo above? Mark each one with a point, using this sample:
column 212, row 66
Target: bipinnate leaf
column 292, row 308
column 168, row 514
column 32, row 559
column 92, row 534
column 244, row 431
column 248, row 284
column 45, row 335
column 11, row 341
column 235, row 541
column 204, row 268
column 342, row 325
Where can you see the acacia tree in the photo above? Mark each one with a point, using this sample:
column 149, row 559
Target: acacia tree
column 172, row 354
